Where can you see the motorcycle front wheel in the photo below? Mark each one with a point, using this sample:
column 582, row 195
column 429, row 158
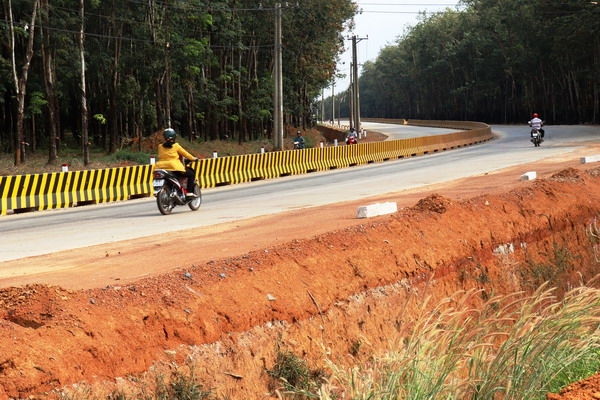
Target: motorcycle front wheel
column 164, row 202
column 195, row 204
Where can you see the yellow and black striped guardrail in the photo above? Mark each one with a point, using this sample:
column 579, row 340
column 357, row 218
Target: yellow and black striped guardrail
column 34, row 192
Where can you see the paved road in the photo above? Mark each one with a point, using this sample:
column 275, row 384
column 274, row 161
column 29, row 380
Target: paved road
column 44, row 232
column 396, row 132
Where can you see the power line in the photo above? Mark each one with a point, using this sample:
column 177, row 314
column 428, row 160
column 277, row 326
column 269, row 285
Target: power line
column 147, row 41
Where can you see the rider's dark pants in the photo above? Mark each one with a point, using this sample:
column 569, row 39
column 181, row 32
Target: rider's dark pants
column 190, row 174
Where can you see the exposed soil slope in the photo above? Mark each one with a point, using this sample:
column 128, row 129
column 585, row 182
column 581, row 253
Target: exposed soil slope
column 307, row 280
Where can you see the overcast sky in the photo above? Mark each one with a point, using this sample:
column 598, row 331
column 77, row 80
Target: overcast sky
column 379, row 24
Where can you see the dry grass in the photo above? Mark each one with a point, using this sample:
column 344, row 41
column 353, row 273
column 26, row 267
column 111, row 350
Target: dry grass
column 513, row 347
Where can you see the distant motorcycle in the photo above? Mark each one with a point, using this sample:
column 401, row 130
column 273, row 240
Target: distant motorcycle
column 170, row 191
column 536, row 137
column 351, row 140
column 299, row 143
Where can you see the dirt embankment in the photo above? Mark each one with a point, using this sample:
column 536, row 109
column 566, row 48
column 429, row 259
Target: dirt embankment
column 318, row 289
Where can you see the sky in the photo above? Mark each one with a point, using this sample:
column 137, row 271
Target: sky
column 379, row 24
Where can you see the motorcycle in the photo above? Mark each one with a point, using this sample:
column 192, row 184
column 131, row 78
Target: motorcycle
column 536, row 137
column 351, row 140
column 298, row 144
column 170, row 191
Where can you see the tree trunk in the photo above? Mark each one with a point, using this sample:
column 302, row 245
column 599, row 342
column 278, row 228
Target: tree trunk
column 112, row 119
column 49, row 79
column 84, row 108
column 21, row 81
column 160, row 113
column 191, row 107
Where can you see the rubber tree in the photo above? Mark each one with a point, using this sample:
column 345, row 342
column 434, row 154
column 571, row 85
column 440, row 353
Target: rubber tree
column 20, row 79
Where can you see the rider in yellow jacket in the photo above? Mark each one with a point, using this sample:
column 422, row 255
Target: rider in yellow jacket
column 169, row 158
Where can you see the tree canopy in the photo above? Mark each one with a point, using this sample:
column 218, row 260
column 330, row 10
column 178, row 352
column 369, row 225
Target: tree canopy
column 496, row 61
column 204, row 67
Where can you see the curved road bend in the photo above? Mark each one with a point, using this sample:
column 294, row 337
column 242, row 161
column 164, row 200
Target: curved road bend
column 45, row 232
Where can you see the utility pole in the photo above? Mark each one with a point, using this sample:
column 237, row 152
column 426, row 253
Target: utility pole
column 333, row 102
column 351, row 95
column 168, row 83
column 322, row 105
column 278, row 95
column 355, row 103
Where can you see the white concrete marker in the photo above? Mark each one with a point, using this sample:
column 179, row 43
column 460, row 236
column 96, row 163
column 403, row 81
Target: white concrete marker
column 376, row 209
column 589, row 159
column 528, row 176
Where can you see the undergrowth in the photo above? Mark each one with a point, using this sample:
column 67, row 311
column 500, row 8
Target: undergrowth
column 558, row 263
column 134, row 154
column 514, row 346
column 180, row 384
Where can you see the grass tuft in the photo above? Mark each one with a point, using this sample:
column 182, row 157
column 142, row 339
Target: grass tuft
column 293, row 374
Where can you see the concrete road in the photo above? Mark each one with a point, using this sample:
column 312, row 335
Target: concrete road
column 31, row 234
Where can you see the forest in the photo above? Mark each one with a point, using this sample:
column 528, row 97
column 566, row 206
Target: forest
column 110, row 72
column 494, row 61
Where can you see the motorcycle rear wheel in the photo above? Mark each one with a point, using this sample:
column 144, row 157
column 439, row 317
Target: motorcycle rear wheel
column 164, row 202
column 195, row 204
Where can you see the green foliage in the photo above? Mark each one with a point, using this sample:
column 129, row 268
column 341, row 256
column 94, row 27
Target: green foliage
column 100, row 118
column 493, row 61
column 37, row 103
column 587, row 365
column 204, row 69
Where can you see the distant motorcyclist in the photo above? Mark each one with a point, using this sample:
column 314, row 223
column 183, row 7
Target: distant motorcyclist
column 352, row 137
column 169, row 156
column 299, row 142
column 536, row 123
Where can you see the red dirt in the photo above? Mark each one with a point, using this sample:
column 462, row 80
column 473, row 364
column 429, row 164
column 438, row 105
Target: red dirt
column 109, row 317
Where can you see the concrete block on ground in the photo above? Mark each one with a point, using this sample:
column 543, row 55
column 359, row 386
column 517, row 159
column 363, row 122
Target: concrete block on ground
column 528, row 176
column 590, row 159
column 376, row 209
